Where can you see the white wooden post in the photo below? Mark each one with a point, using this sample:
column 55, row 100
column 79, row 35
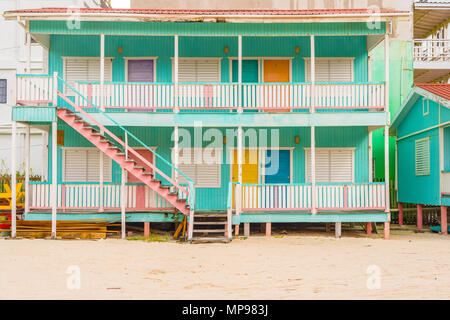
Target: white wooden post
column 313, row 171
column 313, row 74
column 176, row 151
column 123, row 205
column 54, row 188
column 13, row 178
column 370, row 155
column 28, row 35
column 102, row 72
column 238, row 188
column 27, row 167
column 44, row 173
column 240, row 74
column 101, row 178
column 388, row 121
column 175, row 74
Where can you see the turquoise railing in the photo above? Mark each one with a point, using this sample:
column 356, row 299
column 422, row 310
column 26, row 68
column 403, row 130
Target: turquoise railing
column 190, row 181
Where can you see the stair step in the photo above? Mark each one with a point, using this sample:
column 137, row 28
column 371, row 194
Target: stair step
column 139, row 167
column 209, row 230
column 148, row 174
column 206, row 223
column 210, row 215
column 130, row 160
column 211, row 239
column 165, row 187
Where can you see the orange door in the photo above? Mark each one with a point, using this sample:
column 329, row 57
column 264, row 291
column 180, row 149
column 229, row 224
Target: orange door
column 276, row 70
column 276, row 97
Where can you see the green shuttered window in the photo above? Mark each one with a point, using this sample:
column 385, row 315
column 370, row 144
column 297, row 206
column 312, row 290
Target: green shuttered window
column 423, row 157
column 3, row 91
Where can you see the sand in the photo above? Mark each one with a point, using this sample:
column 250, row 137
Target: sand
column 410, row 266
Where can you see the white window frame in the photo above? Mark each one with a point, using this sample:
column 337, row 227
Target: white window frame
column 308, row 70
column 331, row 149
column 219, row 61
column 64, row 149
column 425, row 103
column 220, row 159
column 427, row 140
column 154, row 59
column 65, row 59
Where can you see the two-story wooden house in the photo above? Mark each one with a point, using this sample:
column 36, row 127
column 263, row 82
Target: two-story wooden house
column 255, row 116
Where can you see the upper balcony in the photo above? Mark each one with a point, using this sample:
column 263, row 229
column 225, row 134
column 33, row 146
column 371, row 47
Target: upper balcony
column 431, row 59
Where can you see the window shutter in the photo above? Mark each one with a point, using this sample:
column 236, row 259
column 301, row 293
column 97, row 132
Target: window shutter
column 83, row 69
column 75, row 162
column 198, row 70
column 341, row 165
column 330, row 70
column 340, row 70
column 3, row 91
column 83, row 165
column 332, row 165
column 423, row 157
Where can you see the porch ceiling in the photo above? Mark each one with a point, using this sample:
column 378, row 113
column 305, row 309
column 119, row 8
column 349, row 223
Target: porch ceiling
column 427, row 19
column 261, row 119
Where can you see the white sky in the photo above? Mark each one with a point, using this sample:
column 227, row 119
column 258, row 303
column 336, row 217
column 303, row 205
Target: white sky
column 120, row 3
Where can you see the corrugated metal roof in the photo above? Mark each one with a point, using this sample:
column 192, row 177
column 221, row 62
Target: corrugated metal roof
column 439, row 89
column 203, row 12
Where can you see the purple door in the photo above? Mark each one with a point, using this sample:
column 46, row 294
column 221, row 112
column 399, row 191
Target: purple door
column 140, row 70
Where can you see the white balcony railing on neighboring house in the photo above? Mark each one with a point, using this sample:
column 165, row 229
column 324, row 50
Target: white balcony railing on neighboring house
column 445, row 182
column 428, row 50
column 35, row 89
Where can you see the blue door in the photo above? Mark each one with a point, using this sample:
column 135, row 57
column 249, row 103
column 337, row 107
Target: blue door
column 249, row 71
column 278, row 166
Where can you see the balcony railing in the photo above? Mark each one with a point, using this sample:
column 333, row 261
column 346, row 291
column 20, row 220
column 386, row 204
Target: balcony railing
column 428, row 50
column 86, row 196
column 298, row 197
column 271, row 97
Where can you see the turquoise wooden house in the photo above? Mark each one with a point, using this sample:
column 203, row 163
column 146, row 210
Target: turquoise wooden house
column 422, row 130
column 252, row 116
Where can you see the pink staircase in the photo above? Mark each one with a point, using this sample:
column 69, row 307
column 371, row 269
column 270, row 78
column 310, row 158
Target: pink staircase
column 174, row 193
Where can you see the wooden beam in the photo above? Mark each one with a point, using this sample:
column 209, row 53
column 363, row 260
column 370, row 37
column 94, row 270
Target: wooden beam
column 444, row 227
column 13, row 178
column 338, row 229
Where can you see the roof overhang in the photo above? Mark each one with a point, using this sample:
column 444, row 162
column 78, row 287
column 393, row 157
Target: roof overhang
column 407, row 105
column 430, row 16
column 211, row 16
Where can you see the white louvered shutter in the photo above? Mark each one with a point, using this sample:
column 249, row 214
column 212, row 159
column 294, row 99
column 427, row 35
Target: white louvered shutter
column 332, row 165
column 422, row 151
column 330, row 70
column 340, row 70
column 341, row 165
column 83, row 69
column 199, row 70
column 75, row 163
column 93, row 167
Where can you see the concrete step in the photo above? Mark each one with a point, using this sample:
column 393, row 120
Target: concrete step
column 209, row 230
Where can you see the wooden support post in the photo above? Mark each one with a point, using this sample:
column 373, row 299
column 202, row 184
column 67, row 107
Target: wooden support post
column 27, row 167
column 236, row 230
column 419, row 216
column 13, row 178
column 327, row 227
column 268, row 229
column 175, row 73
column 123, row 205
column 313, row 170
column 238, row 187
column 338, row 229
column 387, row 230
column 400, row 214
column 313, row 74
column 369, row 228
column 444, row 227
column 240, row 73
column 102, row 72
column 28, row 36
column 176, row 150
column 102, row 175
column 54, row 188
column 146, row 230
column 247, row 229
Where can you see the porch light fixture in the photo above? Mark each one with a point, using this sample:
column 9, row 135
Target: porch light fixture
column 120, row 50
column 224, row 140
column 226, row 50
column 297, row 50
column 297, row 139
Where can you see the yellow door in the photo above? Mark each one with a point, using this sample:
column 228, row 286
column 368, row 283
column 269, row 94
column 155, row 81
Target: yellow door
column 250, row 166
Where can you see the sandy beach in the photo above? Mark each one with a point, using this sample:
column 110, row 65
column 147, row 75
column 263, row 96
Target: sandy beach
column 309, row 266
